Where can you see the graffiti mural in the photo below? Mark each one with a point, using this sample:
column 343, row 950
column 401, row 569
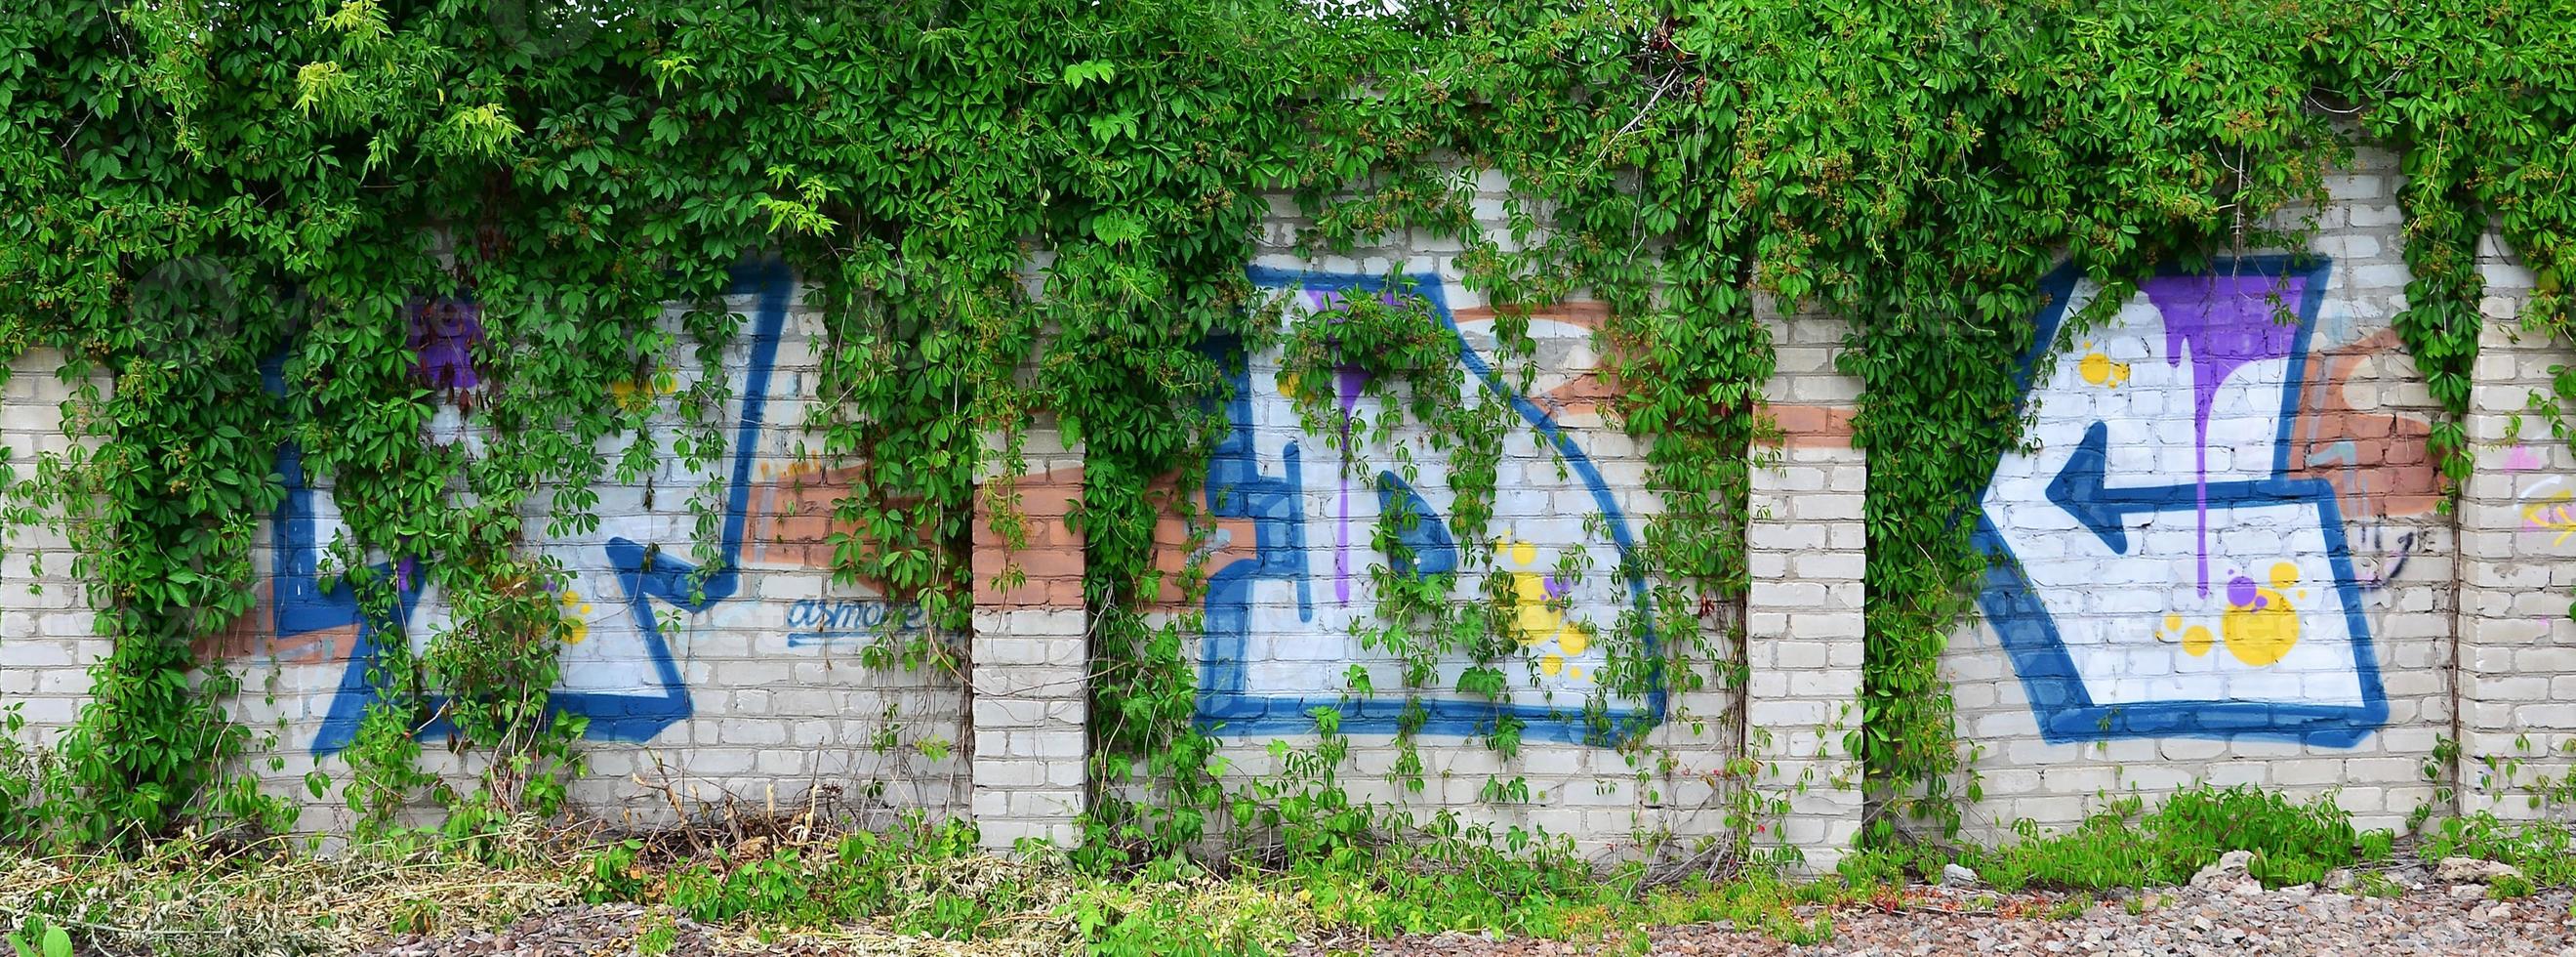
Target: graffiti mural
column 619, row 669
column 1284, row 621
column 621, row 665
column 2172, row 558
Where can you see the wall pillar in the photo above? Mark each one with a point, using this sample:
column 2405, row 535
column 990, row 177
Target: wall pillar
column 1806, row 549
column 1029, row 671
column 2514, row 667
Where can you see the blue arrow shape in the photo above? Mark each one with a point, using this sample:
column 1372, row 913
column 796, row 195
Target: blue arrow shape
column 2079, row 489
column 2030, row 631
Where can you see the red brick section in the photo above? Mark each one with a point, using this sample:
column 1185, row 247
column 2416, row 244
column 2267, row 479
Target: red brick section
column 2374, row 456
column 1051, row 559
column 1172, row 543
column 792, row 523
column 255, row 634
column 791, row 514
column 1811, row 426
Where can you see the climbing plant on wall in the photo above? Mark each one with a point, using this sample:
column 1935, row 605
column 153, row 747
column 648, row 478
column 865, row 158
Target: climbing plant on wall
column 235, row 222
column 1915, row 169
column 2477, row 98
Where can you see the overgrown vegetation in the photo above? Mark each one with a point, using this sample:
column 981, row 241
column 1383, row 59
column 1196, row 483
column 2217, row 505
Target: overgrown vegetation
column 201, row 191
column 2124, row 845
column 915, row 888
column 738, row 881
column 2541, row 844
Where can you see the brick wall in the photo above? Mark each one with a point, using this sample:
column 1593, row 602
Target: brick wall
column 2221, row 559
column 2293, row 635
column 752, row 691
column 1029, row 650
column 1293, row 586
column 45, row 639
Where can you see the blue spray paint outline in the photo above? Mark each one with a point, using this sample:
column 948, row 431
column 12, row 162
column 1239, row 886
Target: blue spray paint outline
column 303, row 606
column 1236, row 488
column 2058, row 699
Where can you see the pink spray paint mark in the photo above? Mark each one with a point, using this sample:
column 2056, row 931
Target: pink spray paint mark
column 2224, row 323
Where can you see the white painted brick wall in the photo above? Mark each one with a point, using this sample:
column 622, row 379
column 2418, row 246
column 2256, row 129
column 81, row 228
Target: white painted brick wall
column 2517, row 646
column 1804, row 650
column 46, row 639
column 778, row 703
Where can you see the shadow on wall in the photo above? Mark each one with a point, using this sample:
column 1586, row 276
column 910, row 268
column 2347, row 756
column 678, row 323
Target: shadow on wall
column 2173, row 560
column 1289, row 613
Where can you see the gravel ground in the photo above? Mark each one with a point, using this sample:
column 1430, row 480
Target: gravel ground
column 2221, row 914
column 617, row 930
column 2220, row 917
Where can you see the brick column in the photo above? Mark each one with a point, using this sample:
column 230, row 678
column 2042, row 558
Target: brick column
column 2516, row 655
column 1805, row 549
column 1029, row 656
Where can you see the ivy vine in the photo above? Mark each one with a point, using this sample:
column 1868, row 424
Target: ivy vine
column 229, row 220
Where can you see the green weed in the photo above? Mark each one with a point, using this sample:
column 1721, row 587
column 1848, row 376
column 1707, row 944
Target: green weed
column 657, row 939
column 39, row 939
column 2545, row 851
column 2125, row 846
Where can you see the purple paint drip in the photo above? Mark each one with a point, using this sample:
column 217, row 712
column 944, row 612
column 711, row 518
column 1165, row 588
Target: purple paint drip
column 1348, row 381
column 2240, row 591
column 442, row 333
column 2223, row 323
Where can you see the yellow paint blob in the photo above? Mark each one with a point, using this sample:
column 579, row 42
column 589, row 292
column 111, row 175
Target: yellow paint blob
column 2261, row 635
column 1536, row 622
column 2100, row 370
column 628, row 396
column 579, row 611
column 2285, row 576
column 1574, row 639
column 2173, row 622
column 2196, row 641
